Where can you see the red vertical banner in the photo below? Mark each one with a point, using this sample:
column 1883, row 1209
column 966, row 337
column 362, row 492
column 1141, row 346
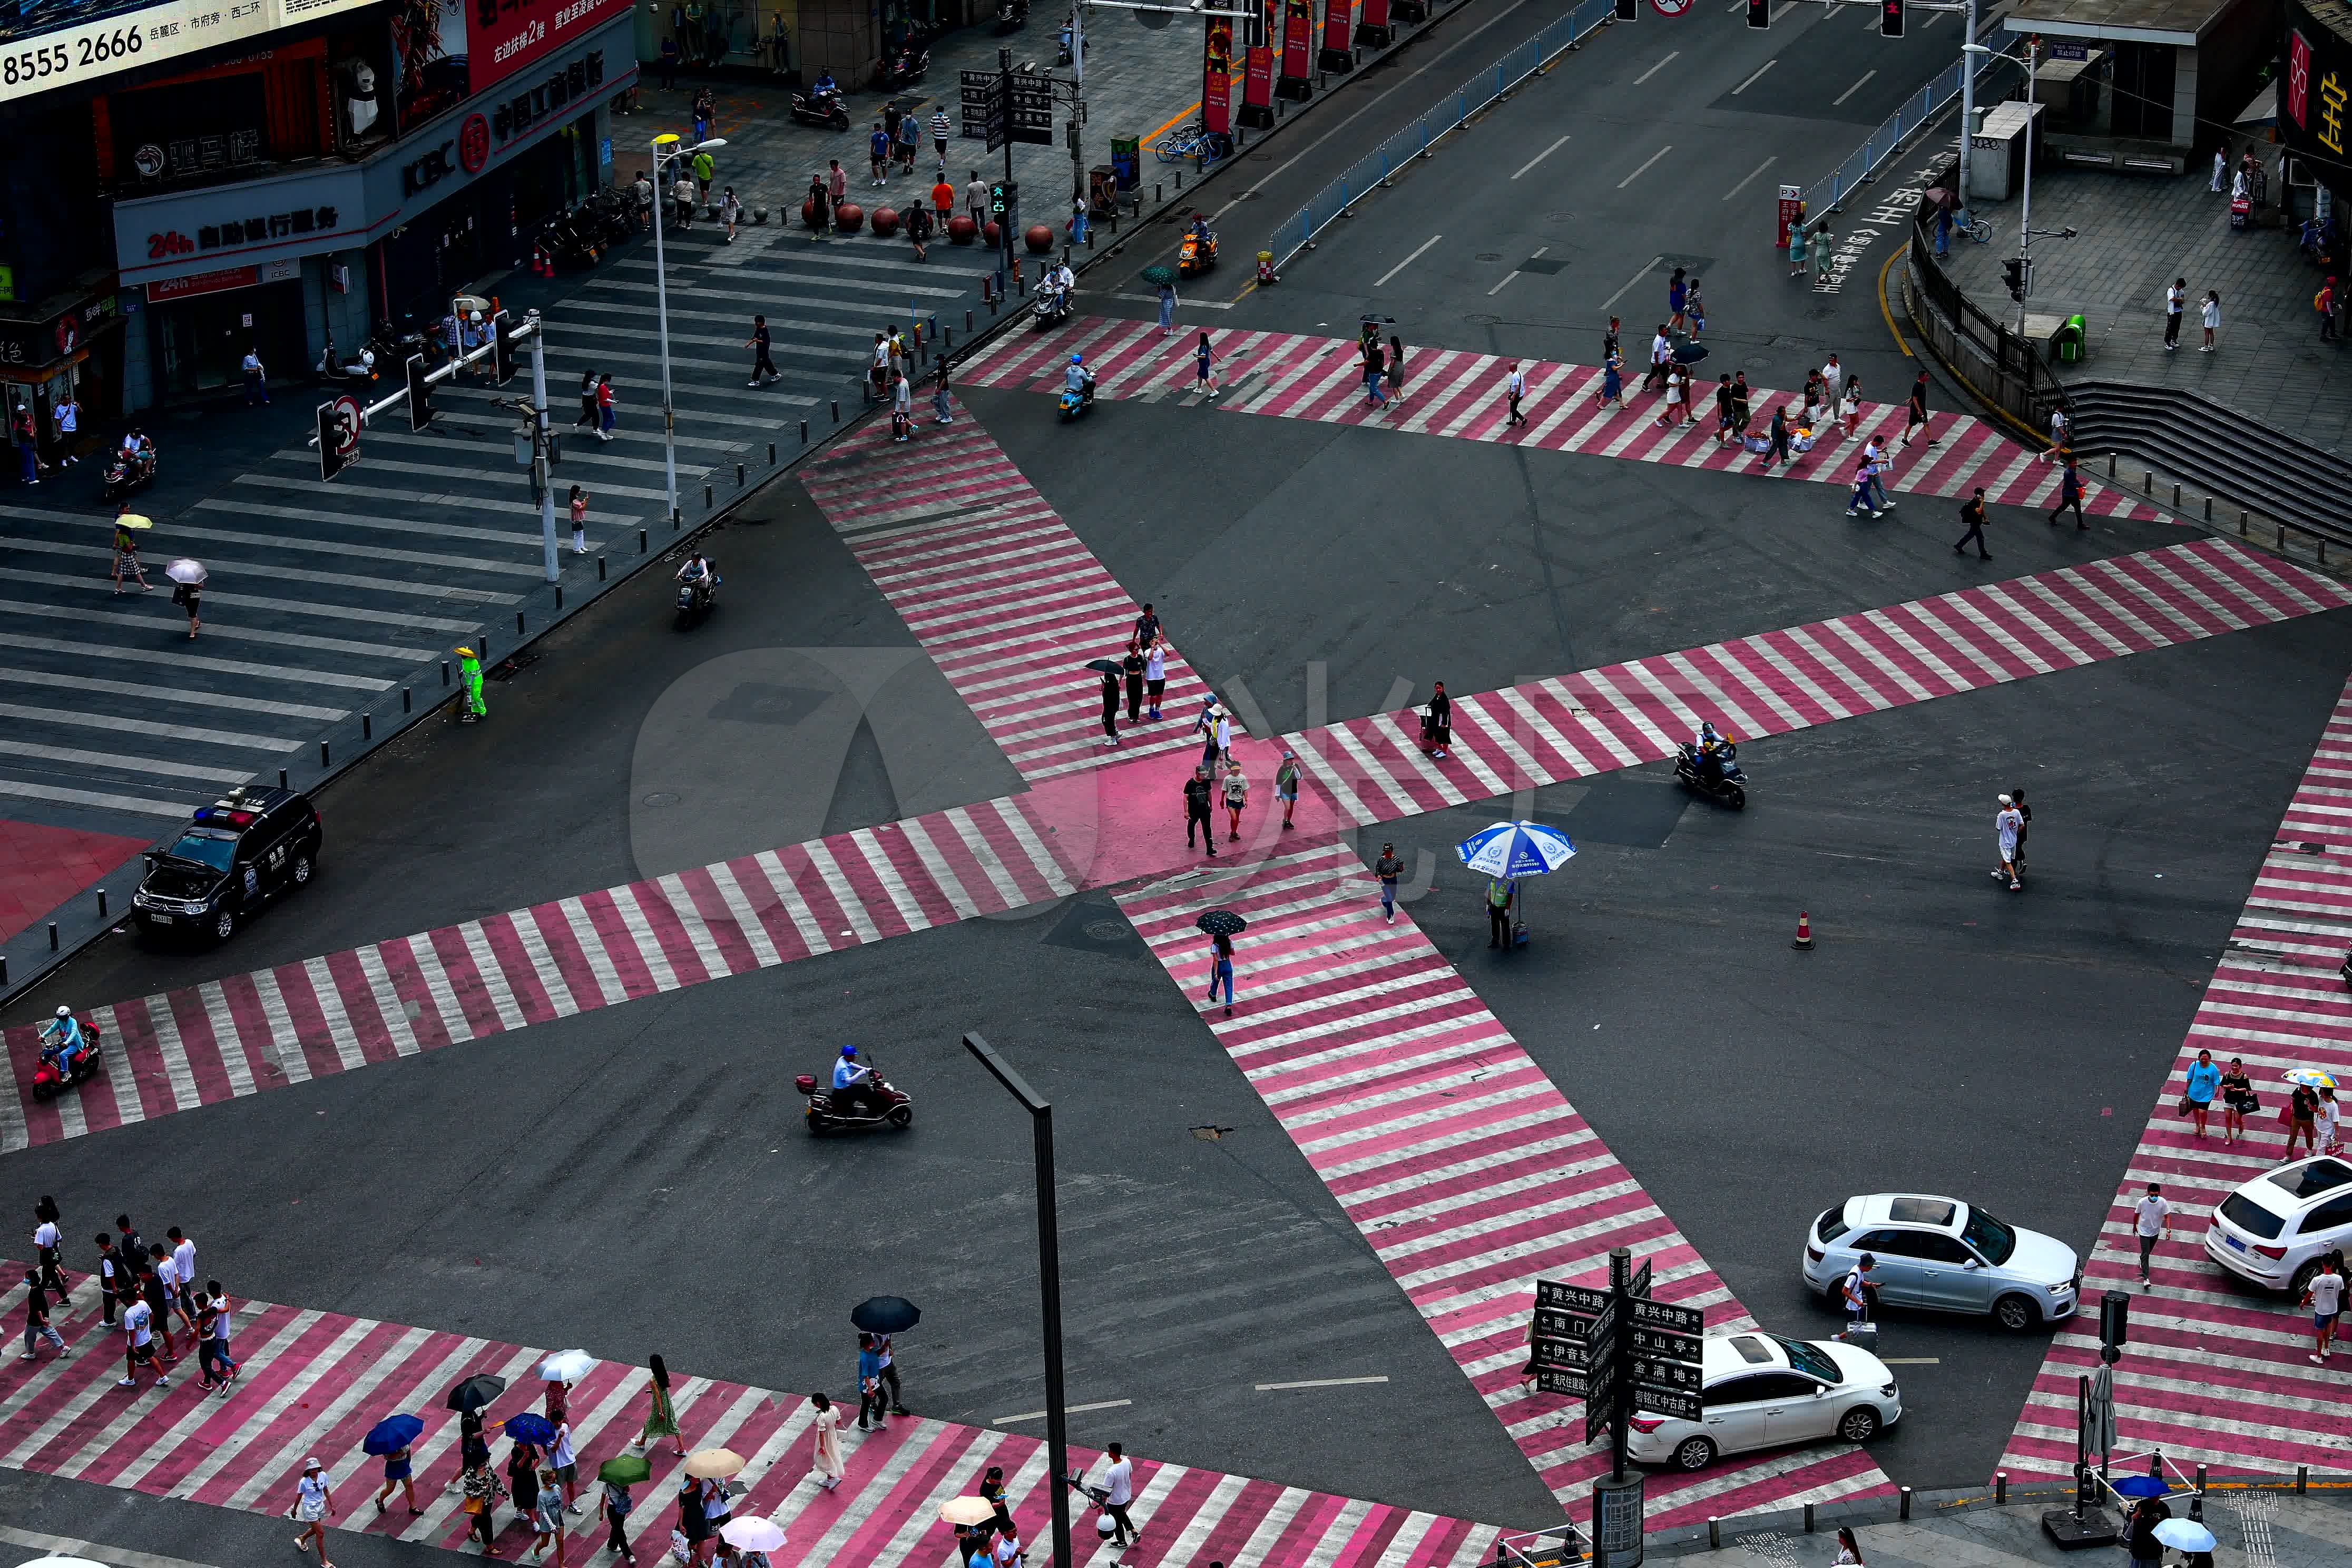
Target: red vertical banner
column 1338, row 55
column 1298, row 45
column 1372, row 29
column 1257, row 70
column 1217, row 77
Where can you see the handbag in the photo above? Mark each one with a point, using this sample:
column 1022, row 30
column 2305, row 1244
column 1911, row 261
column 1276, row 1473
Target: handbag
column 2187, row 1105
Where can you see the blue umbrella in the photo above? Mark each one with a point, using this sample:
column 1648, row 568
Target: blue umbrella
column 393, row 1434
column 530, row 1427
column 1516, row 849
column 2141, row 1486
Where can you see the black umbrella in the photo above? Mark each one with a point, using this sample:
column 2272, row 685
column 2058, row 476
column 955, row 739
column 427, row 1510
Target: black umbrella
column 477, row 1390
column 886, row 1315
column 1690, row 354
column 1107, row 665
column 1221, row 922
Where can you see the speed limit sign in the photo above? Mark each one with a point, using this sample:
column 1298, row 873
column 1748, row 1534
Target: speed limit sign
column 338, row 435
column 1671, row 7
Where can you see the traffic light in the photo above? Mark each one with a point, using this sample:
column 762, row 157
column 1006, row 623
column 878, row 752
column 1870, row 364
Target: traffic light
column 1890, row 19
column 337, row 450
column 1759, row 13
column 1628, row 9
column 420, row 394
column 502, row 350
column 2019, row 275
column 1000, row 198
column 2115, row 1323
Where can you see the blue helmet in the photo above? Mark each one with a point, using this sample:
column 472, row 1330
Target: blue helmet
column 1077, row 359
column 849, row 1050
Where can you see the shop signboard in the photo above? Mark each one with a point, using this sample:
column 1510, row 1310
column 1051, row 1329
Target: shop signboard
column 446, row 51
column 2313, row 91
column 79, row 42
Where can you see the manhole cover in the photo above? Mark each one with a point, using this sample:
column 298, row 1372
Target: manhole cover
column 1261, row 157
column 661, row 798
column 1484, row 321
column 1106, row 930
column 1488, row 255
column 1559, row 218
column 1757, row 362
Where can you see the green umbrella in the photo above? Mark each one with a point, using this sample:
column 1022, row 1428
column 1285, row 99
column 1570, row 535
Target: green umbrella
column 624, row 1470
column 1157, row 276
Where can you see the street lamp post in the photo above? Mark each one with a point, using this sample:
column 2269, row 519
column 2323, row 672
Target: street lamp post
column 2025, row 210
column 668, row 147
column 1049, row 1285
column 1967, row 103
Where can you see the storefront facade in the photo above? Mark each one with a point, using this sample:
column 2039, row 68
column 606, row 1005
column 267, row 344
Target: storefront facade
column 2314, row 96
column 281, row 264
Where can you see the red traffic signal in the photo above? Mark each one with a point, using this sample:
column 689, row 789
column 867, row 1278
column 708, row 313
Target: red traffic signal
column 1759, row 13
column 1890, row 19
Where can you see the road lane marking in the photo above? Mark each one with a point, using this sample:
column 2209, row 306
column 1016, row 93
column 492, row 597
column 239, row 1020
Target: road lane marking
column 1513, row 272
column 66, row 1546
column 1154, row 299
column 1638, row 173
column 1912, row 1360
column 1758, row 170
column 1611, row 302
column 1849, row 93
column 1744, row 86
column 1672, row 56
column 1381, row 282
column 1558, row 144
column 1067, row 1410
column 1321, row 1383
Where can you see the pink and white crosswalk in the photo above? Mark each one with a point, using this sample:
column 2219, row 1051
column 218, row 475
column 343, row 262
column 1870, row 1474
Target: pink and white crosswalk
column 1008, row 602
column 1466, row 1171
column 313, row 1383
column 2215, row 1372
column 227, row 1039
column 1459, row 393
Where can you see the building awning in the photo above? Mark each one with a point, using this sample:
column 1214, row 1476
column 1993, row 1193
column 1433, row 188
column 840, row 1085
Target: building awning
column 2177, row 22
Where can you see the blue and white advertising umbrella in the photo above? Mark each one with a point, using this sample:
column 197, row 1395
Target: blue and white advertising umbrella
column 1516, row 849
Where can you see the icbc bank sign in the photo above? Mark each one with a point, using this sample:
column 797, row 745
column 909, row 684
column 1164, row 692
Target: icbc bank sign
column 508, row 35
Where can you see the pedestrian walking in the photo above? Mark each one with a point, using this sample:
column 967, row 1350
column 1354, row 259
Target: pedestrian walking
column 2325, row 1296
column 1880, row 466
column 1860, row 501
column 902, row 405
column 479, row 1494
column 1694, row 311
column 2302, row 1119
column 2325, row 1122
column 1856, row 1292
column 49, row 1244
column 888, row 1356
column 1205, row 366
column 1219, row 727
column 67, row 414
column 975, row 199
column 109, row 1270
column 820, row 207
column 1915, row 412
column 731, row 212
column 1609, row 341
column 2141, row 1544
column 1437, row 722
column 836, row 182
column 2176, row 301
column 2237, row 1099
column 1155, row 675
column 399, row 1476
column 126, row 554
column 314, row 1503
column 918, row 232
column 2025, row 823
column 2220, row 172
column 2070, row 494
column 1776, row 448
column 1662, row 358
column 1515, row 387
column 2198, row 1086
column 1849, row 410
column 911, row 142
column 37, row 1320
column 587, row 401
column 1372, row 366
column 681, row 199
column 1286, row 787
column 2057, row 446
column 705, row 168
column 1797, row 249
column 661, row 1419
column 943, row 195
column 1741, row 409
column 1197, row 797
column 1237, row 789
column 1722, row 408
column 1972, row 512
column 824, row 1429
column 547, row 1519
column 1110, row 707
column 1131, row 667
column 29, row 450
column 1167, row 308
column 1387, row 868
column 607, row 399
column 522, row 1478
column 579, row 521
column 1825, row 254
column 2212, row 311
column 1943, row 232
column 256, row 380
column 1500, row 893
column 706, row 114
column 1613, row 383
column 942, row 128
column 1118, row 1472
column 1677, row 295
column 1146, row 632
column 616, row 1504
column 215, row 1324
column 943, row 408
column 158, row 1302
column 2005, row 825
column 2151, row 1221
column 2325, row 303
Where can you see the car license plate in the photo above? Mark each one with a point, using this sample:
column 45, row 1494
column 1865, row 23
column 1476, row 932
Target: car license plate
column 161, row 920
column 2233, row 1241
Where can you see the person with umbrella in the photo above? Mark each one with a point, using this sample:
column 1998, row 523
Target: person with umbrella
column 1163, row 282
column 1222, row 926
column 392, row 1438
column 190, row 594
column 881, row 1317
column 1110, row 679
column 618, row 1475
column 126, row 550
column 1504, row 853
column 661, row 1419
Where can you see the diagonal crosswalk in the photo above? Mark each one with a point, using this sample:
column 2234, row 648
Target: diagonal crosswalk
column 1009, row 603
column 1457, row 394
column 313, row 1383
column 2216, row 1371
column 264, row 1030
column 326, row 600
column 1467, row 1173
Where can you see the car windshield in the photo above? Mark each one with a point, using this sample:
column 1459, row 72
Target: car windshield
column 2312, row 1180
column 1993, row 1240
column 1808, row 1359
column 2251, row 1217
column 1831, row 1226
column 214, row 850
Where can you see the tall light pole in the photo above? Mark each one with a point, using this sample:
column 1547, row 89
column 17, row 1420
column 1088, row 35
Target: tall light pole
column 668, row 147
column 2025, row 211
column 1049, row 1286
column 1968, row 47
column 539, row 439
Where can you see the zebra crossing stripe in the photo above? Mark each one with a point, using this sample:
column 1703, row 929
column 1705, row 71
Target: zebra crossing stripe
column 1467, row 1173
column 314, row 1383
column 2217, row 1371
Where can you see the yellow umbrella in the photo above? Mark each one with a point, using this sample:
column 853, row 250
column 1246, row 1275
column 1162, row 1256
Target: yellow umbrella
column 715, row 1462
column 132, row 520
column 967, row 1511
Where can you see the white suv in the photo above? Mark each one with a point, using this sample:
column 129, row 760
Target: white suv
column 2274, row 1229
column 1945, row 1255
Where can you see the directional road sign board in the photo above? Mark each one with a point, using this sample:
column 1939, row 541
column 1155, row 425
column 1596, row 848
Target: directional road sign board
column 1552, row 1379
column 1689, row 1320
column 1570, row 1297
column 1597, row 1412
column 1640, row 1285
column 1659, row 1402
column 1579, row 1353
column 1663, row 1344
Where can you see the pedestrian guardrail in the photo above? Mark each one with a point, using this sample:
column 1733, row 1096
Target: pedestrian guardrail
column 1887, row 140
column 1450, row 113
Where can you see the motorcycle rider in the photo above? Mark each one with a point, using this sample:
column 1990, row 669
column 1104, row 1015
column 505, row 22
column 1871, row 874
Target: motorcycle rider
column 824, row 86
column 852, row 1085
column 1708, row 747
column 1078, row 378
column 62, row 1042
column 1200, row 234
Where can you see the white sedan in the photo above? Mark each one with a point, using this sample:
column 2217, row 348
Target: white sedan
column 1760, row 1391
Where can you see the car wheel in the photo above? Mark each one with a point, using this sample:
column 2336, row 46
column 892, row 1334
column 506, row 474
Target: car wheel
column 2015, row 1313
column 1694, row 1454
column 224, row 925
column 2302, row 1278
column 301, row 870
column 1859, row 1424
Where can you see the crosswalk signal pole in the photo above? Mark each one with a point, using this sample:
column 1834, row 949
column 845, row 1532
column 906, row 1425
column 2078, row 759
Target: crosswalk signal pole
column 661, row 309
column 540, row 450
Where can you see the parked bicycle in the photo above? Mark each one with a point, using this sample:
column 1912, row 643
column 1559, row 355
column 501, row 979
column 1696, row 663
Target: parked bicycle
column 1203, row 147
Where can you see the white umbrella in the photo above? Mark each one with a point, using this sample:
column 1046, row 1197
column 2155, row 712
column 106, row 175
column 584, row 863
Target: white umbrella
column 185, row 571
column 967, row 1511
column 566, row 1366
column 2186, row 1534
column 752, row 1534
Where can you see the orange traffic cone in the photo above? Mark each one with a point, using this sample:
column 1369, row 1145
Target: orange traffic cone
column 1804, row 942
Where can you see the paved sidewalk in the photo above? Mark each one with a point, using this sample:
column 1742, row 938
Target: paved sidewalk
column 2137, row 233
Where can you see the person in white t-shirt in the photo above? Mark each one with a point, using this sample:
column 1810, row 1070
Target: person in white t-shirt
column 139, row 1345
column 1118, row 1489
column 2325, row 1296
column 2151, row 1218
column 46, row 1240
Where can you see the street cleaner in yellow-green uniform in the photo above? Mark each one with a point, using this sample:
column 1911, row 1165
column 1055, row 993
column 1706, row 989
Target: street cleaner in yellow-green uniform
column 469, row 677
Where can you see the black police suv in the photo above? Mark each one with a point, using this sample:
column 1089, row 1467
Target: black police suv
column 235, row 855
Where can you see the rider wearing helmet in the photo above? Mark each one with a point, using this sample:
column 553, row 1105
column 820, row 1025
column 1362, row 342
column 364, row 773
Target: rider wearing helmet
column 1074, row 379
column 62, row 1042
column 1708, row 745
column 853, row 1083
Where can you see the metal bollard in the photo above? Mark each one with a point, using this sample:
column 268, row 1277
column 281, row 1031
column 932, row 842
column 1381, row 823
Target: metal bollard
column 947, row 338
column 517, row 623
column 2282, row 536
column 101, row 903
column 322, row 753
column 4, row 972
column 53, row 947
column 836, row 411
column 967, row 321
column 2111, row 465
column 2147, row 482
column 559, row 596
column 1906, row 1510
column 445, row 681
column 738, row 476
column 2197, row 1499
column 1809, row 1519
column 2001, row 1489
column 367, row 727
column 407, row 700
column 706, row 501
column 599, row 568
column 281, row 778
column 641, row 550
column 2242, row 525
column 2302, row 1472
column 803, row 432
column 2209, row 508
column 2176, row 498
column 772, row 454
column 1090, row 239
column 1180, row 182
column 1714, row 1532
column 1158, row 195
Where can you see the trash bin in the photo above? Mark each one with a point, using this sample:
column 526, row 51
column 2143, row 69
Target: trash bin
column 1126, row 159
column 2070, row 339
column 1102, row 191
